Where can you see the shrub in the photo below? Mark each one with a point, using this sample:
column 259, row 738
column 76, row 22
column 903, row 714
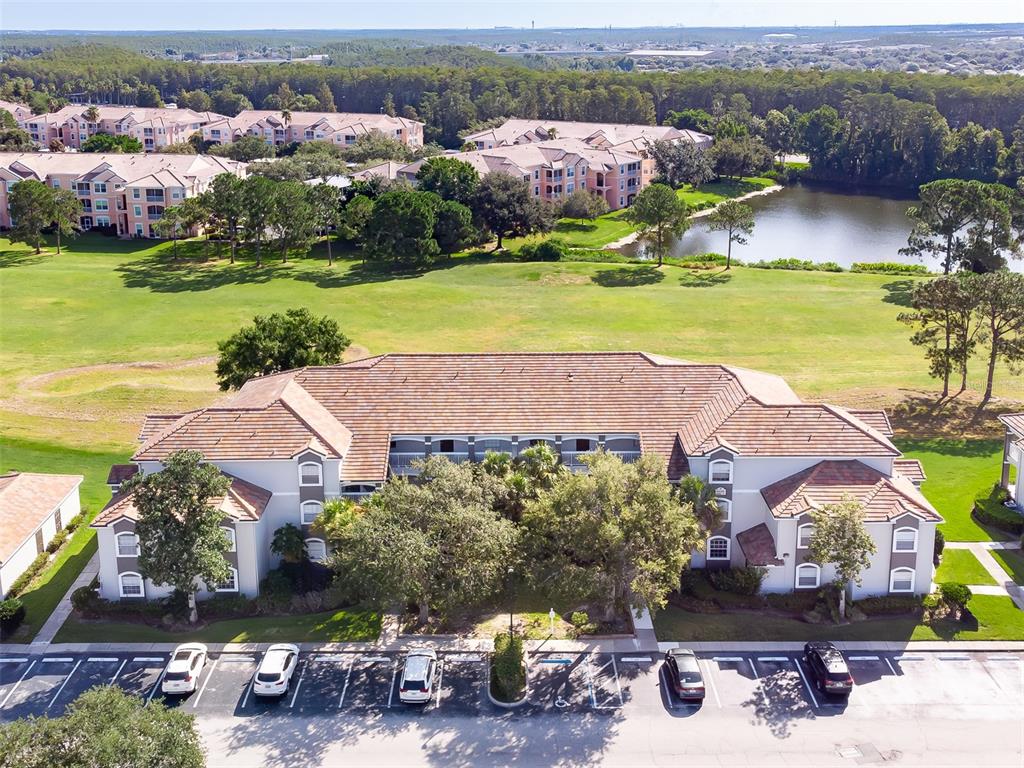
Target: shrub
column 889, row 268
column 688, row 580
column 889, row 605
column 990, row 511
column 940, row 544
column 793, row 602
column 227, row 606
column 19, row 585
column 275, row 592
column 12, row 613
column 85, row 601
column 582, row 625
column 507, row 673
column 75, row 522
column 955, row 597
column 798, row 264
column 57, row 541
column 551, row 249
column 739, row 581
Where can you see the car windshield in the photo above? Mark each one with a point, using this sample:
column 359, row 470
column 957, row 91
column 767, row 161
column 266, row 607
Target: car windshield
column 268, row 677
column 416, row 672
column 416, row 685
column 689, row 672
column 844, row 675
column 175, row 676
column 182, row 655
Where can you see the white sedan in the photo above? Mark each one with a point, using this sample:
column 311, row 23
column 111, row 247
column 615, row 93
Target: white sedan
column 276, row 670
column 184, row 668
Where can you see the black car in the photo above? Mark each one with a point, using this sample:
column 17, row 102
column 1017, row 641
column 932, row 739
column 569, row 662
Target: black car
column 684, row 674
column 828, row 668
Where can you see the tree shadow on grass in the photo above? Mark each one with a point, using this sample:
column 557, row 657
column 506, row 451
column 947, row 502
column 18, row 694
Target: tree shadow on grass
column 163, row 274
column 628, row 277
column 575, row 226
column 21, row 258
column 955, row 420
column 899, row 292
column 704, row 279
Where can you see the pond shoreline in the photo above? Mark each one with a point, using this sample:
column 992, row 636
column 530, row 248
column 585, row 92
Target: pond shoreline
column 631, row 237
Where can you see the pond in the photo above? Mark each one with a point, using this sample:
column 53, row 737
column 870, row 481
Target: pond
column 817, row 224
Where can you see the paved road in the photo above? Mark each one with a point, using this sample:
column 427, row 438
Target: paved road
column 932, row 709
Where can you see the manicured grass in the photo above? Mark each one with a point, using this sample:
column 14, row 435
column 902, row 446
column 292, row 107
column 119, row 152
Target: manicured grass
column 961, row 565
column 1012, row 561
column 959, row 471
column 50, row 587
column 996, row 618
column 332, row 626
column 723, row 190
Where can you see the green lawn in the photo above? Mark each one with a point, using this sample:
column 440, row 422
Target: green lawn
column 997, row 618
column 329, row 627
column 1012, row 561
column 959, row 471
column 961, row 565
column 50, row 587
column 723, row 190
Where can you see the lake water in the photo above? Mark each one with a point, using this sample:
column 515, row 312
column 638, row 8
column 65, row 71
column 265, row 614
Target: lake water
column 817, row 224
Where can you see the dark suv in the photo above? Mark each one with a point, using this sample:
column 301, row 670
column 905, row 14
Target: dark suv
column 828, row 668
column 684, row 674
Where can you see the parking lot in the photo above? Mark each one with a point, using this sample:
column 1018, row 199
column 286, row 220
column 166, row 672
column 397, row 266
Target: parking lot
column 773, row 687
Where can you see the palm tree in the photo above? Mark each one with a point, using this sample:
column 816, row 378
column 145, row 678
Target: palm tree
column 289, row 543
column 701, row 497
column 92, row 114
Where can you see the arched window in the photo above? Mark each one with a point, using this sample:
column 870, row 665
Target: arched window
column 230, row 533
column 902, row 580
column 803, row 535
column 130, row 584
column 808, row 576
column 309, row 511
column 230, row 584
column 316, row 549
column 127, row 544
column 310, row 473
column 718, row 548
column 904, row 540
column 725, row 506
column 720, row 471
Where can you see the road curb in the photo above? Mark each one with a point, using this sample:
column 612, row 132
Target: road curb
column 510, row 704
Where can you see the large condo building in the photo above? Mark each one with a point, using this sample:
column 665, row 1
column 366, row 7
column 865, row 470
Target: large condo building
column 338, row 128
column 154, row 127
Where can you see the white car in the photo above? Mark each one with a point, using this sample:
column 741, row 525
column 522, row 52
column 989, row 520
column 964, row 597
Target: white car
column 417, row 682
column 184, row 668
column 276, row 670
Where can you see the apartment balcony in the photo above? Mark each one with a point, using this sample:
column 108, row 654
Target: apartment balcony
column 574, row 459
column 401, row 463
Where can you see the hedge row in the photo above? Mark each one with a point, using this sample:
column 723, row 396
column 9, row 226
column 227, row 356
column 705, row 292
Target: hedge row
column 990, row 511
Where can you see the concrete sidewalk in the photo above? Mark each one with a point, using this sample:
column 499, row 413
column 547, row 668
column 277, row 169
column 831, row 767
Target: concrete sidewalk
column 982, row 550
column 61, row 612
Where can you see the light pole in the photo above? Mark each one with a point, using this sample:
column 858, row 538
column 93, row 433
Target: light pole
column 511, row 604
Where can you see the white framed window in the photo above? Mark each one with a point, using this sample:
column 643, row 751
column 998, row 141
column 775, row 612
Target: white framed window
column 230, row 533
column 902, row 580
column 904, row 540
column 720, row 471
column 127, row 544
column 718, row 548
column 129, row 584
column 311, row 473
column 230, row 584
column 725, row 506
column 138, row 210
column 808, row 576
column 309, row 510
column 100, row 187
column 316, row 549
column 803, row 535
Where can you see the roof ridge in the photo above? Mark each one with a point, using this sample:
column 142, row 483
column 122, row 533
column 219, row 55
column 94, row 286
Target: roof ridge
column 867, row 429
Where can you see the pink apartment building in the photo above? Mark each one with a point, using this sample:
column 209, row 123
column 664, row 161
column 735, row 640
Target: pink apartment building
column 126, row 192
column 154, row 127
column 20, row 112
column 338, row 128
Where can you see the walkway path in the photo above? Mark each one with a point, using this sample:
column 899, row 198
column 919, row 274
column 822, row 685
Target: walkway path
column 63, row 610
column 983, row 551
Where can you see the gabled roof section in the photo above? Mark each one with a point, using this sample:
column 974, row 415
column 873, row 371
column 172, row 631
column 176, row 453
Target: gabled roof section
column 910, row 469
column 243, row 501
column 26, row 500
column 829, row 482
column 877, row 420
column 1014, row 422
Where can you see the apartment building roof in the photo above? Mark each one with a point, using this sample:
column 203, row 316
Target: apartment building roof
column 335, row 121
column 523, row 131
column 124, row 168
column 243, row 501
column 910, row 469
column 830, row 482
column 676, row 409
column 26, row 500
column 1014, row 422
column 18, row 111
column 134, row 115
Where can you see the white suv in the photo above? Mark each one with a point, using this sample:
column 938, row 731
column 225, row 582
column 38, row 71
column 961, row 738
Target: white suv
column 276, row 670
column 417, row 683
column 184, row 668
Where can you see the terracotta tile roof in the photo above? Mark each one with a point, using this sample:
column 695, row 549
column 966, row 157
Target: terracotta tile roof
column 673, row 407
column 758, row 545
column 518, row 130
column 155, row 423
column 1014, row 422
column 878, row 420
column 243, row 501
column 910, row 469
column 829, row 482
column 26, row 499
column 121, row 472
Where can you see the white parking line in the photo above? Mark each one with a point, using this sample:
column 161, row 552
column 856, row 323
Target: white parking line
column 1002, row 657
column 148, row 659
column 12, row 661
column 464, row 657
column 116, row 674
column 637, row 660
column 909, row 658
column 954, row 657
column 590, row 683
column 234, row 657
column 376, row 659
column 727, row 658
column 11, row 692
column 205, row 682
column 663, row 676
column 618, row 688
column 77, row 664
column 298, row 685
column 348, row 673
column 764, row 693
column 807, row 685
column 391, row 690
column 711, row 685
column 863, row 658
column 440, row 681
column 890, row 666
column 248, row 690
column 58, row 659
column 102, row 658
column 159, row 680
column 773, row 658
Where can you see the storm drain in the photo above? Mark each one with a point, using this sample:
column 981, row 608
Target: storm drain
column 862, row 754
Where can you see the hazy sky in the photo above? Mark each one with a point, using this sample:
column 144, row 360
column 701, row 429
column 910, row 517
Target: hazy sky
column 385, row 14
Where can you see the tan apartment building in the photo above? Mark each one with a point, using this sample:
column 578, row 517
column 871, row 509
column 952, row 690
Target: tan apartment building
column 20, row 112
column 338, row 128
column 153, row 127
column 126, row 192
column 556, row 168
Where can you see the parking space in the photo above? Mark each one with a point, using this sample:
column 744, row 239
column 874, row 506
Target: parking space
column 462, row 683
column 788, row 688
column 226, row 684
column 38, row 685
column 559, row 681
column 734, row 681
column 605, row 690
column 323, row 683
column 372, row 683
column 141, row 674
column 88, row 672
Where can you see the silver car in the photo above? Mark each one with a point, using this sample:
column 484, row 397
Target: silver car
column 184, row 668
column 276, row 670
column 417, row 682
